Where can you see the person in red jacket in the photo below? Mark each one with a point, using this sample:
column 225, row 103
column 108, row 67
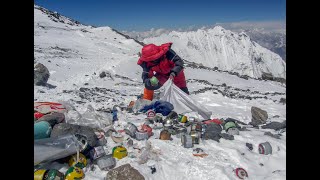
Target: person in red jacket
column 163, row 63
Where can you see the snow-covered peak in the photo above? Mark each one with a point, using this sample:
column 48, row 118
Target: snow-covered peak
column 227, row 50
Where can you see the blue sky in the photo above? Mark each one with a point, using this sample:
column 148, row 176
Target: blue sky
column 141, row 15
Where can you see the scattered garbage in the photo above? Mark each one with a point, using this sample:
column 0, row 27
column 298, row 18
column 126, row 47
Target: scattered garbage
column 151, row 114
column 233, row 131
column 187, row 141
column 78, row 160
column 86, row 132
column 181, row 102
column 265, row 148
column 142, row 135
column 160, row 106
column 51, row 149
column 38, row 115
column 119, row 152
column 47, row 107
column 182, row 118
column 106, row 162
column 117, row 137
column 165, row 135
column 228, row 125
column 241, row 173
column 52, row 118
column 41, row 174
column 74, row 173
column 97, row 152
column 195, row 137
column 217, row 121
column 42, row 130
column 61, row 132
column 131, row 129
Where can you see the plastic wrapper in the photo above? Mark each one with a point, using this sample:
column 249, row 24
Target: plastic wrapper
column 182, row 102
column 140, row 103
column 89, row 118
column 50, row 149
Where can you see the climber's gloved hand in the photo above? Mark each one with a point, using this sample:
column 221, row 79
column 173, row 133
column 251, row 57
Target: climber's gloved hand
column 172, row 75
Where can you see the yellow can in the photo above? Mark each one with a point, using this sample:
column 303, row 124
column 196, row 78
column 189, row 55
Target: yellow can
column 82, row 161
column 74, row 173
column 119, row 152
column 182, row 118
column 39, row 174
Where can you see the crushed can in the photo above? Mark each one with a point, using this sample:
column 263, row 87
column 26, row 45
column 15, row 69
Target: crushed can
column 106, row 162
column 181, row 131
column 241, row 173
column 147, row 129
column 265, row 148
column 186, row 141
column 195, row 137
column 151, row 114
column 182, row 118
column 74, row 173
column 165, row 135
column 119, row 152
column 141, row 135
column 82, row 161
column 131, row 129
column 101, row 138
column 97, row 152
column 39, row 174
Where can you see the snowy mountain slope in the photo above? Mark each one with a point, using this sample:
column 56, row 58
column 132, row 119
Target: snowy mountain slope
column 224, row 49
column 76, row 54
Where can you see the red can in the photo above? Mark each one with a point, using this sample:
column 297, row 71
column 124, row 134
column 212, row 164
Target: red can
column 241, row 173
column 147, row 128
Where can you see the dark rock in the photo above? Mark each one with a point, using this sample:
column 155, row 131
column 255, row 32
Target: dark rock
column 52, row 118
column 124, row 172
column 261, row 164
column 227, row 136
column 283, row 100
column 274, row 125
column 65, row 128
column 276, row 116
column 86, row 84
column 244, row 77
column 259, row 116
column 102, row 75
column 272, row 135
column 224, row 84
column 249, row 146
column 267, row 76
column 41, row 75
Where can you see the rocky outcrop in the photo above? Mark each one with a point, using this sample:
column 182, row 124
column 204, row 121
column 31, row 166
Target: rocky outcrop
column 259, row 116
column 124, row 172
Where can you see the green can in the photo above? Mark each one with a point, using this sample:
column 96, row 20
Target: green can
column 53, row 174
